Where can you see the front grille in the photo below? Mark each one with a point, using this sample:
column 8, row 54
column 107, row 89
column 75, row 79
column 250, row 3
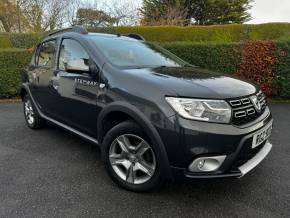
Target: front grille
column 244, row 110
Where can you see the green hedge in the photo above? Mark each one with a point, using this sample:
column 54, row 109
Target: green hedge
column 216, row 34
column 222, row 58
column 5, row 41
column 226, row 58
column 11, row 62
column 20, row 40
column 25, row 40
column 220, row 33
column 282, row 70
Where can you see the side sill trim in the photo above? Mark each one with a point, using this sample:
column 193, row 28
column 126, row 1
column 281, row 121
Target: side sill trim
column 91, row 139
column 252, row 163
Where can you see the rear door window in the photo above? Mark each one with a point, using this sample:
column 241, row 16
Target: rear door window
column 46, row 54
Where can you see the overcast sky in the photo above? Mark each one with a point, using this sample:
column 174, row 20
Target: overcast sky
column 265, row 11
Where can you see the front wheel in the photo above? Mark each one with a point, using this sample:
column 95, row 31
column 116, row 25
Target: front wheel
column 129, row 158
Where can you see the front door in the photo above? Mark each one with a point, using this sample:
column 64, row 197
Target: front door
column 76, row 91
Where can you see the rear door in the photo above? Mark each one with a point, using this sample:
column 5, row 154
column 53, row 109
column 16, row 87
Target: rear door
column 41, row 72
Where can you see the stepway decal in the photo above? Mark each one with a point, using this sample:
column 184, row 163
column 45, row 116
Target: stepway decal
column 86, row 82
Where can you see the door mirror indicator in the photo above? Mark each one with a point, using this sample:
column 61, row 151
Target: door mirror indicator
column 77, row 65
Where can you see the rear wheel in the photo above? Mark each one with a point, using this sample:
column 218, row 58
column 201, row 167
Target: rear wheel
column 129, row 158
column 32, row 118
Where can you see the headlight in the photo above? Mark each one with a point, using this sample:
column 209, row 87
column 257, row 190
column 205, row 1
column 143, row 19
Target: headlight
column 217, row 111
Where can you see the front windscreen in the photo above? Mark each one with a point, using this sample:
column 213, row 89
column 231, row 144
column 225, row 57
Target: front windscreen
column 128, row 53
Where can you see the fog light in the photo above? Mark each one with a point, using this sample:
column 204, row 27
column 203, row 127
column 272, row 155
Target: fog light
column 206, row 164
column 201, row 164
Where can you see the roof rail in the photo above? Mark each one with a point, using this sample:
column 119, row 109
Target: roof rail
column 134, row 36
column 75, row 29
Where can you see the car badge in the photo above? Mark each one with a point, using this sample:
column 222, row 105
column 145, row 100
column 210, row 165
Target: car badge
column 256, row 103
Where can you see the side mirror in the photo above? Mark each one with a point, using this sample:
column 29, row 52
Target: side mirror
column 77, row 65
column 94, row 70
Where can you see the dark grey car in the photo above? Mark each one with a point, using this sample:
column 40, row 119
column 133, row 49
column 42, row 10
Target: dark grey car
column 154, row 116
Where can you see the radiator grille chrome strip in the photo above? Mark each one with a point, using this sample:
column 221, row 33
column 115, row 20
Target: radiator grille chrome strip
column 244, row 110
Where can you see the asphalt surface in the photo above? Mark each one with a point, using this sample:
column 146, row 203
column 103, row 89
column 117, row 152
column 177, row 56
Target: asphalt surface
column 52, row 173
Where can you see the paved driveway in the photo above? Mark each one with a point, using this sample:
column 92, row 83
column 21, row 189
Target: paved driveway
column 51, row 172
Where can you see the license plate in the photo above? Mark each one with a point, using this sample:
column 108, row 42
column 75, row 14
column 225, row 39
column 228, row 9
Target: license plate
column 262, row 136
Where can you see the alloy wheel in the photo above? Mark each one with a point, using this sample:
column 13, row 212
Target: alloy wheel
column 29, row 112
column 132, row 159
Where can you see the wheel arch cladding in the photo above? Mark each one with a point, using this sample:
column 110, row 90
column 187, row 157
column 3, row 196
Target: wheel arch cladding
column 23, row 92
column 132, row 113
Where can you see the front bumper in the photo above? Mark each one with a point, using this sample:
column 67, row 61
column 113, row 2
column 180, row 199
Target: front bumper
column 203, row 139
column 252, row 163
column 239, row 171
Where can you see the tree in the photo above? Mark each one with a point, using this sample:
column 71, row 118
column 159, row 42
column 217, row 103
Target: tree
column 124, row 12
column 71, row 12
column 200, row 12
column 208, row 12
column 43, row 15
column 163, row 12
column 8, row 15
column 100, row 14
column 92, row 18
column 46, row 15
column 197, row 10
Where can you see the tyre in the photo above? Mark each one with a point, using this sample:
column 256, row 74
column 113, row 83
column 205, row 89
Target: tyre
column 32, row 118
column 130, row 159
